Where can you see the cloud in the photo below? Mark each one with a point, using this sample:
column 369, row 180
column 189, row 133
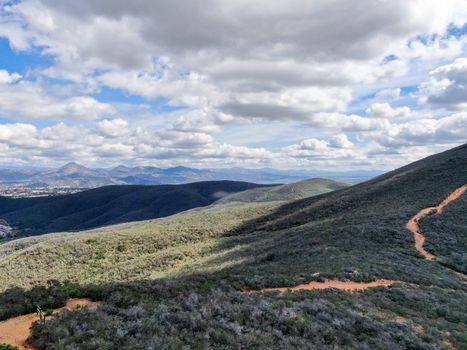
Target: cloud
column 112, row 128
column 313, row 149
column 451, row 129
column 447, row 87
column 27, row 99
column 392, row 94
column 116, row 141
column 292, row 104
column 7, row 78
column 385, row 111
column 340, row 141
column 331, row 73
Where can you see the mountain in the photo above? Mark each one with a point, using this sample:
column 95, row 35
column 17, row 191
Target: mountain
column 219, row 277
column 288, row 192
column 78, row 176
column 110, row 204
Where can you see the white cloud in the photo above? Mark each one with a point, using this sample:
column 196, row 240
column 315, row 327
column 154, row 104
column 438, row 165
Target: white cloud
column 112, row 128
column 340, row 141
column 338, row 147
column 29, row 100
column 392, row 94
column 451, row 129
column 447, row 86
column 330, row 71
column 7, row 78
column 385, row 111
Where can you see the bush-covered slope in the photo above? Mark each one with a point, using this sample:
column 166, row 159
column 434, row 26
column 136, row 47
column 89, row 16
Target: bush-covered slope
column 446, row 235
column 111, row 205
column 288, row 192
column 356, row 234
column 131, row 251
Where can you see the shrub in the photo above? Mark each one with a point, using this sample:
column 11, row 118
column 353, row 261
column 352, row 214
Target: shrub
column 8, row 347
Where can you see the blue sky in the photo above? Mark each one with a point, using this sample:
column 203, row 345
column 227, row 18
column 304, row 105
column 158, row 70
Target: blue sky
column 123, row 84
column 21, row 62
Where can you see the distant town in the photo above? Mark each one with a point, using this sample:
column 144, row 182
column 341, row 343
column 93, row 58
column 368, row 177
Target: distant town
column 25, row 192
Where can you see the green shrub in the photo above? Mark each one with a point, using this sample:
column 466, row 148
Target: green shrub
column 8, row 347
column 49, row 312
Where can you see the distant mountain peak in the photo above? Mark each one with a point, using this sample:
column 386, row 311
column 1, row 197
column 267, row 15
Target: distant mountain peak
column 121, row 168
column 72, row 167
column 180, row 168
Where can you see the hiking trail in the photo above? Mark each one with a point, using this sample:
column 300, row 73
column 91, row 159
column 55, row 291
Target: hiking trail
column 414, row 224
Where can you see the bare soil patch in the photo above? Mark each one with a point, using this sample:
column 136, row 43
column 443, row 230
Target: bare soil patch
column 347, row 286
column 15, row 331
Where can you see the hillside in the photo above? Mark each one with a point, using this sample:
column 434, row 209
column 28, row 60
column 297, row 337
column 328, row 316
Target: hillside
column 110, row 205
column 198, row 281
column 287, row 192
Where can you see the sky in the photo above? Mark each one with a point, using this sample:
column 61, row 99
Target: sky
column 311, row 84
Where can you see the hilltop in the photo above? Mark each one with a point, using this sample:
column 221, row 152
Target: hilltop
column 287, row 192
column 196, row 278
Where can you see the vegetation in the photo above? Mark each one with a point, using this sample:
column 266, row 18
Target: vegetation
column 288, row 192
column 17, row 301
column 8, row 347
column 317, row 320
column 141, row 250
column 111, row 205
column 356, row 233
column 446, row 235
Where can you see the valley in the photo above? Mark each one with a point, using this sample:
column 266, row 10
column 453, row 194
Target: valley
column 110, row 205
column 200, row 272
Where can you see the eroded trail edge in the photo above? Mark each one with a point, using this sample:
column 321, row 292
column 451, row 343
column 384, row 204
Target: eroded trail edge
column 414, row 223
column 15, row 331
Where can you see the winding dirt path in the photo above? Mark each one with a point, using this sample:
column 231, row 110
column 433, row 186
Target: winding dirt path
column 347, row 286
column 15, row 331
column 414, row 223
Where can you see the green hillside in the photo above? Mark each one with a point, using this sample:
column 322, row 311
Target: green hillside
column 111, row 205
column 447, row 235
column 132, row 251
column 193, row 293
column 288, row 192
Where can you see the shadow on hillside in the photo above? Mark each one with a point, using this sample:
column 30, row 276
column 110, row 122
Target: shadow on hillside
column 357, row 233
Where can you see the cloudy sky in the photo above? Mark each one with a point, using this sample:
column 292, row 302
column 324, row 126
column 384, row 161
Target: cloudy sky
column 328, row 84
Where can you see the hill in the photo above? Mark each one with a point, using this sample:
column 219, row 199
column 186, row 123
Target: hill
column 110, row 205
column 206, row 278
column 287, row 192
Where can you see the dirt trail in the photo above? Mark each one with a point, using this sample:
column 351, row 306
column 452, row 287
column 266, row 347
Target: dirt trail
column 414, row 224
column 347, row 286
column 15, row 331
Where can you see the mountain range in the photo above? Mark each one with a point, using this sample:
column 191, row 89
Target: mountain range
column 78, row 176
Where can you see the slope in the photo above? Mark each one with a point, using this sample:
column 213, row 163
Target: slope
column 111, row 205
column 288, row 192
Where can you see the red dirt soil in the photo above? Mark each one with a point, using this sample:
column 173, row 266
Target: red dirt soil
column 347, row 286
column 414, row 224
column 15, row 331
